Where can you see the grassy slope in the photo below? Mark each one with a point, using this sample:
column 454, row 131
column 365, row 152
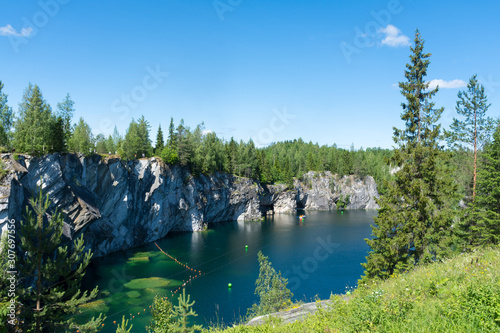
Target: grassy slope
column 459, row 295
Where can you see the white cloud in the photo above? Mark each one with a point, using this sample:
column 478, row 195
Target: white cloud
column 393, row 37
column 447, row 84
column 8, row 30
column 205, row 132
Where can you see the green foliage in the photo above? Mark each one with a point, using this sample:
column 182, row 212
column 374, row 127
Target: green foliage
column 137, row 140
column 343, row 202
column 184, row 144
column 458, row 295
column 3, row 169
column 415, row 217
column 159, row 141
column 65, row 110
column 123, row 327
column 162, row 316
column 461, row 162
column 169, row 156
column 476, row 128
column 283, row 161
column 172, row 140
column 182, row 312
column 6, row 119
column 33, row 128
column 50, row 273
column 82, row 141
column 482, row 221
column 101, row 144
column 58, row 137
column 271, row 288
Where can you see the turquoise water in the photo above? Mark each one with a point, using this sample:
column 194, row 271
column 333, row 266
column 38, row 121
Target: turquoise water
column 319, row 255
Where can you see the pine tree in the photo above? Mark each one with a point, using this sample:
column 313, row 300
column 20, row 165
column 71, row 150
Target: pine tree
column 137, row 142
column 132, row 143
column 414, row 220
column 51, row 274
column 65, row 110
column 476, row 128
column 58, row 137
column 143, row 128
column 184, row 145
column 33, row 132
column 161, row 315
column 110, row 145
column 123, row 327
column 271, row 288
column 231, row 156
column 6, row 119
column 182, row 312
column 172, row 140
column 159, row 141
column 82, row 140
column 101, row 144
column 484, row 224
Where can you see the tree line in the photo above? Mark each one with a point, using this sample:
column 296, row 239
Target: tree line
column 38, row 130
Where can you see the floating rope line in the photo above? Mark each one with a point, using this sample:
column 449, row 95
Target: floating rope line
column 191, row 277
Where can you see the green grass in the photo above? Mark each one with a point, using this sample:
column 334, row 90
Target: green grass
column 458, row 295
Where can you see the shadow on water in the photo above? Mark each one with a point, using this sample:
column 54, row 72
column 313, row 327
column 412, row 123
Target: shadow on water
column 320, row 255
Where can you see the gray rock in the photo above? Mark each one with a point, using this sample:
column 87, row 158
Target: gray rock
column 118, row 204
column 290, row 316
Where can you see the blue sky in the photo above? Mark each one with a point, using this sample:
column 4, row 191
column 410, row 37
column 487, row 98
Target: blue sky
column 271, row 70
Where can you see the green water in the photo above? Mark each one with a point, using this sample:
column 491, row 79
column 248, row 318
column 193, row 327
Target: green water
column 319, row 256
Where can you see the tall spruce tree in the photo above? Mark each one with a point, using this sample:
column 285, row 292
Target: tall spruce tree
column 476, row 128
column 159, row 141
column 6, row 119
column 484, row 225
column 65, row 110
column 143, row 128
column 58, row 136
column 184, row 144
column 33, row 132
column 414, row 221
column 172, row 140
column 51, row 274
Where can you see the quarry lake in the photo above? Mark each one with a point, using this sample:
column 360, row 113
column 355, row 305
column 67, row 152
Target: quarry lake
column 320, row 255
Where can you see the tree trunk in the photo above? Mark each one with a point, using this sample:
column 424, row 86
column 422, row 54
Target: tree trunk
column 39, row 270
column 475, row 158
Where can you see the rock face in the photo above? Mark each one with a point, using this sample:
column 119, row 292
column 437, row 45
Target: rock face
column 322, row 190
column 290, row 316
column 119, row 204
